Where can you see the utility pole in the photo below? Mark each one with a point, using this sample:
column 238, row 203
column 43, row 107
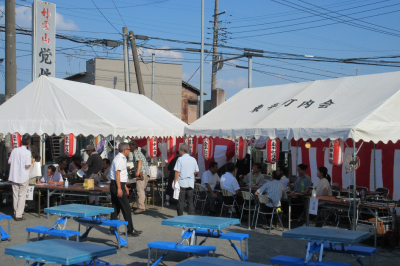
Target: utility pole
column 250, row 69
column 136, row 63
column 202, row 61
column 126, row 60
column 11, row 52
column 215, row 49
column 153, row 59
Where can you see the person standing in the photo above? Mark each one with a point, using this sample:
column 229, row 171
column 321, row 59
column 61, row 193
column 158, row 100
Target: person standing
column 94, row 165
column 141, row 184
column 209, row 180
column 119, row 192
column 185, row 169
column 110, row 154
column 171, row 178
column 20, row 160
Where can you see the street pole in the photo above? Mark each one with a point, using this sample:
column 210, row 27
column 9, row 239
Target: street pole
column 126, row 60
column 153, row 59
column 10, row 50
column 202, row 61
column 136, row 63
column 354, row 189
column 250, row 70
column 215, row 51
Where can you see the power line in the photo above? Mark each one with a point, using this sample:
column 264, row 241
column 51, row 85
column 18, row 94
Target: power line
column 105, row 17
column 119, row 13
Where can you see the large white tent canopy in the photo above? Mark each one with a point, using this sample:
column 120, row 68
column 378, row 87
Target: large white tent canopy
column 57, row 106
column 361, row 108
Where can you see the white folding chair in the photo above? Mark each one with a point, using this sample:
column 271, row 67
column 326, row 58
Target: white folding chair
column 248, row 196
column 227, row 193
column 262, row 199
column 201, row 196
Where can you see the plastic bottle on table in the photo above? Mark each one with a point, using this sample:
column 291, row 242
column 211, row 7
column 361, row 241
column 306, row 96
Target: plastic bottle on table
column 314, row 192
column 66, row 183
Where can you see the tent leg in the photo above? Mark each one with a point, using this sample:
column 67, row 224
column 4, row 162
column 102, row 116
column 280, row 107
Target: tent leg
column 354, row 190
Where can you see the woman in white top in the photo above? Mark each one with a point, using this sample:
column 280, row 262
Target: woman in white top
column 323, row 186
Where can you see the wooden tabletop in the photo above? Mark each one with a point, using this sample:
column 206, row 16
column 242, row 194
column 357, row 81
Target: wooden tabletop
column 372, row 192
column 335, row 200
column 76, row 188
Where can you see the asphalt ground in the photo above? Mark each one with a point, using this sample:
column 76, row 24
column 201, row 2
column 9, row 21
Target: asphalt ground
column 262, row 245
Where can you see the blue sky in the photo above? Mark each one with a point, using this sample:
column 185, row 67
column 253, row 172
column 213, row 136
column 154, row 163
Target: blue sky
column 289, row 26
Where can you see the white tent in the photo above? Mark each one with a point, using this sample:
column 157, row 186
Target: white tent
column 360, row 107
column 57, row 106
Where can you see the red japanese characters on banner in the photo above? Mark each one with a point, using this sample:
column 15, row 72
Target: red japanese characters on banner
column 241, row 148
column 208, row 148
column 336, row 152
column 69, row 144
column 272, row 150
column 192, row 142
column 152, row 147
column 171, row 144
column 16, row 140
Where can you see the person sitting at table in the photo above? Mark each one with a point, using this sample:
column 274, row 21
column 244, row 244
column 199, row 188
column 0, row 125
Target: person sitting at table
column 105, row 172
column 62, row 169
column 75, row 165
column 282, row 171
column 52, row 177
column 303, row 179
column 275, row 190
column 257, row 179
column 209, row 179
column 323, row 186
column 229, row 182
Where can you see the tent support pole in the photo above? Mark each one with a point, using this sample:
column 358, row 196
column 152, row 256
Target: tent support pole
column 354, row 190
column 374, row 167
column 251, row 179
column 162, row 176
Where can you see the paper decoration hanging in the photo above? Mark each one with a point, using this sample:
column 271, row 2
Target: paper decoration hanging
column 272, row 150
column 336, row 152
column 16, row 141
column 152, row 147
column 208, row 148
column 241, row 148
column 69, row 144
column 192, row 143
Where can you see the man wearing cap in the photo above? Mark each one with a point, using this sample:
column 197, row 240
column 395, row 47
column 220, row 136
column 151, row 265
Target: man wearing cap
column 95, row 164
column 141, row 165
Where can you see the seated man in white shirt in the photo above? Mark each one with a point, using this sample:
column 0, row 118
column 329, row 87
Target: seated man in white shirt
column 106, row 169
column 209, row 179
column 284, row 180
column 275, row 190
column 257, row 179
column 52, row 177
column 229, row 182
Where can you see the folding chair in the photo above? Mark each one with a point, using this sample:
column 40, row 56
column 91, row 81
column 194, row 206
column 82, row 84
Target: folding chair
column 262, row 199
column 227, row 193
column 248, row 196
column 201, row 196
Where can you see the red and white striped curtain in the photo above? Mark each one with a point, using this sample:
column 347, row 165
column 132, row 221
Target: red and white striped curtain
column 171, row 144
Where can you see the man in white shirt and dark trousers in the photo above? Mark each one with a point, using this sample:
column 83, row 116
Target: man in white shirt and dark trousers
column 119, row 192
column 208, row 181
column 229, row 182
column 20, row 160
column 185, row 169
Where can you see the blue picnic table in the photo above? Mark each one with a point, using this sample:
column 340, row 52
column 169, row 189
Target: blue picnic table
column 194, row 226
column 320, row 239
column 93, row 214
column 59, row 251
column 204, row 261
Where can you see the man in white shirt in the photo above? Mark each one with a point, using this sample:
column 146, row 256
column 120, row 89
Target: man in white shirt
column 20, row 160
column 257, row 179
column 185, row 169
column 208, row 181
column 52, row 177
column 106, row 170
column 119, row 192
column 284, row 180
column 229, row 182
column 275, row 190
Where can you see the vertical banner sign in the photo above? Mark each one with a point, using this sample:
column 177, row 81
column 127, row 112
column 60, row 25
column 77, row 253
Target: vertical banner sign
column 43, row 39
column 69, row 144
column 273, row 150
column 16, row 140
